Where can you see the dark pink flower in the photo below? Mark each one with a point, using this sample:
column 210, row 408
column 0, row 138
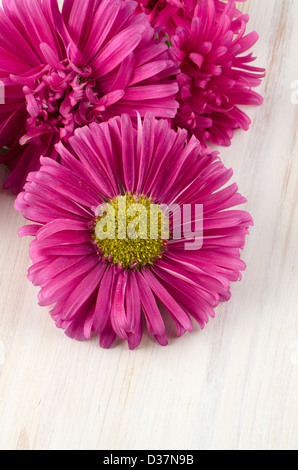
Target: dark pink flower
column 107, row 286
column 62, row 70
column 208, row 39
column 169, row 13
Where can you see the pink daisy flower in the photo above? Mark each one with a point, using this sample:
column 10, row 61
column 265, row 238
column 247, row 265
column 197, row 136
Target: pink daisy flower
column 62, row 70
column 110, row 286
column 207, row 38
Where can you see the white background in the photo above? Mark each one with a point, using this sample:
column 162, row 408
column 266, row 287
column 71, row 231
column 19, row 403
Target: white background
column 233, row 385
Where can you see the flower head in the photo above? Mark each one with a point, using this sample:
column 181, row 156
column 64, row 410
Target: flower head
column 207, row 39
column 169, row 13
column 216, row 76
column 62, row 70
column 101, row 252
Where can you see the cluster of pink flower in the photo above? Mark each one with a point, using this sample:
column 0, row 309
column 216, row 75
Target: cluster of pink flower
column 105, row 98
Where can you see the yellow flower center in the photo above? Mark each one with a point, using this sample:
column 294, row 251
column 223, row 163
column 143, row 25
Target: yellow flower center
column 129, row 231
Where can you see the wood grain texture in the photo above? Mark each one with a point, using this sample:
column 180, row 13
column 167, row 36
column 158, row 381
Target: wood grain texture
column 233, row 385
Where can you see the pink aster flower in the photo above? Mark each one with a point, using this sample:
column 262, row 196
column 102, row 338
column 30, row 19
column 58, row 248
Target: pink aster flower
column 207, row 38
column 107, row 286
column 63, row 70
column 169, row 13
column 216, row 72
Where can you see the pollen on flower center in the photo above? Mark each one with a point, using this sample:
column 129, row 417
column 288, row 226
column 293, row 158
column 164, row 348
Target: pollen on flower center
column 129, row 231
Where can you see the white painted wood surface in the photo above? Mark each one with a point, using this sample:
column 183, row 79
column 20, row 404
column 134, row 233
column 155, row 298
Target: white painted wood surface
column 233, row 385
